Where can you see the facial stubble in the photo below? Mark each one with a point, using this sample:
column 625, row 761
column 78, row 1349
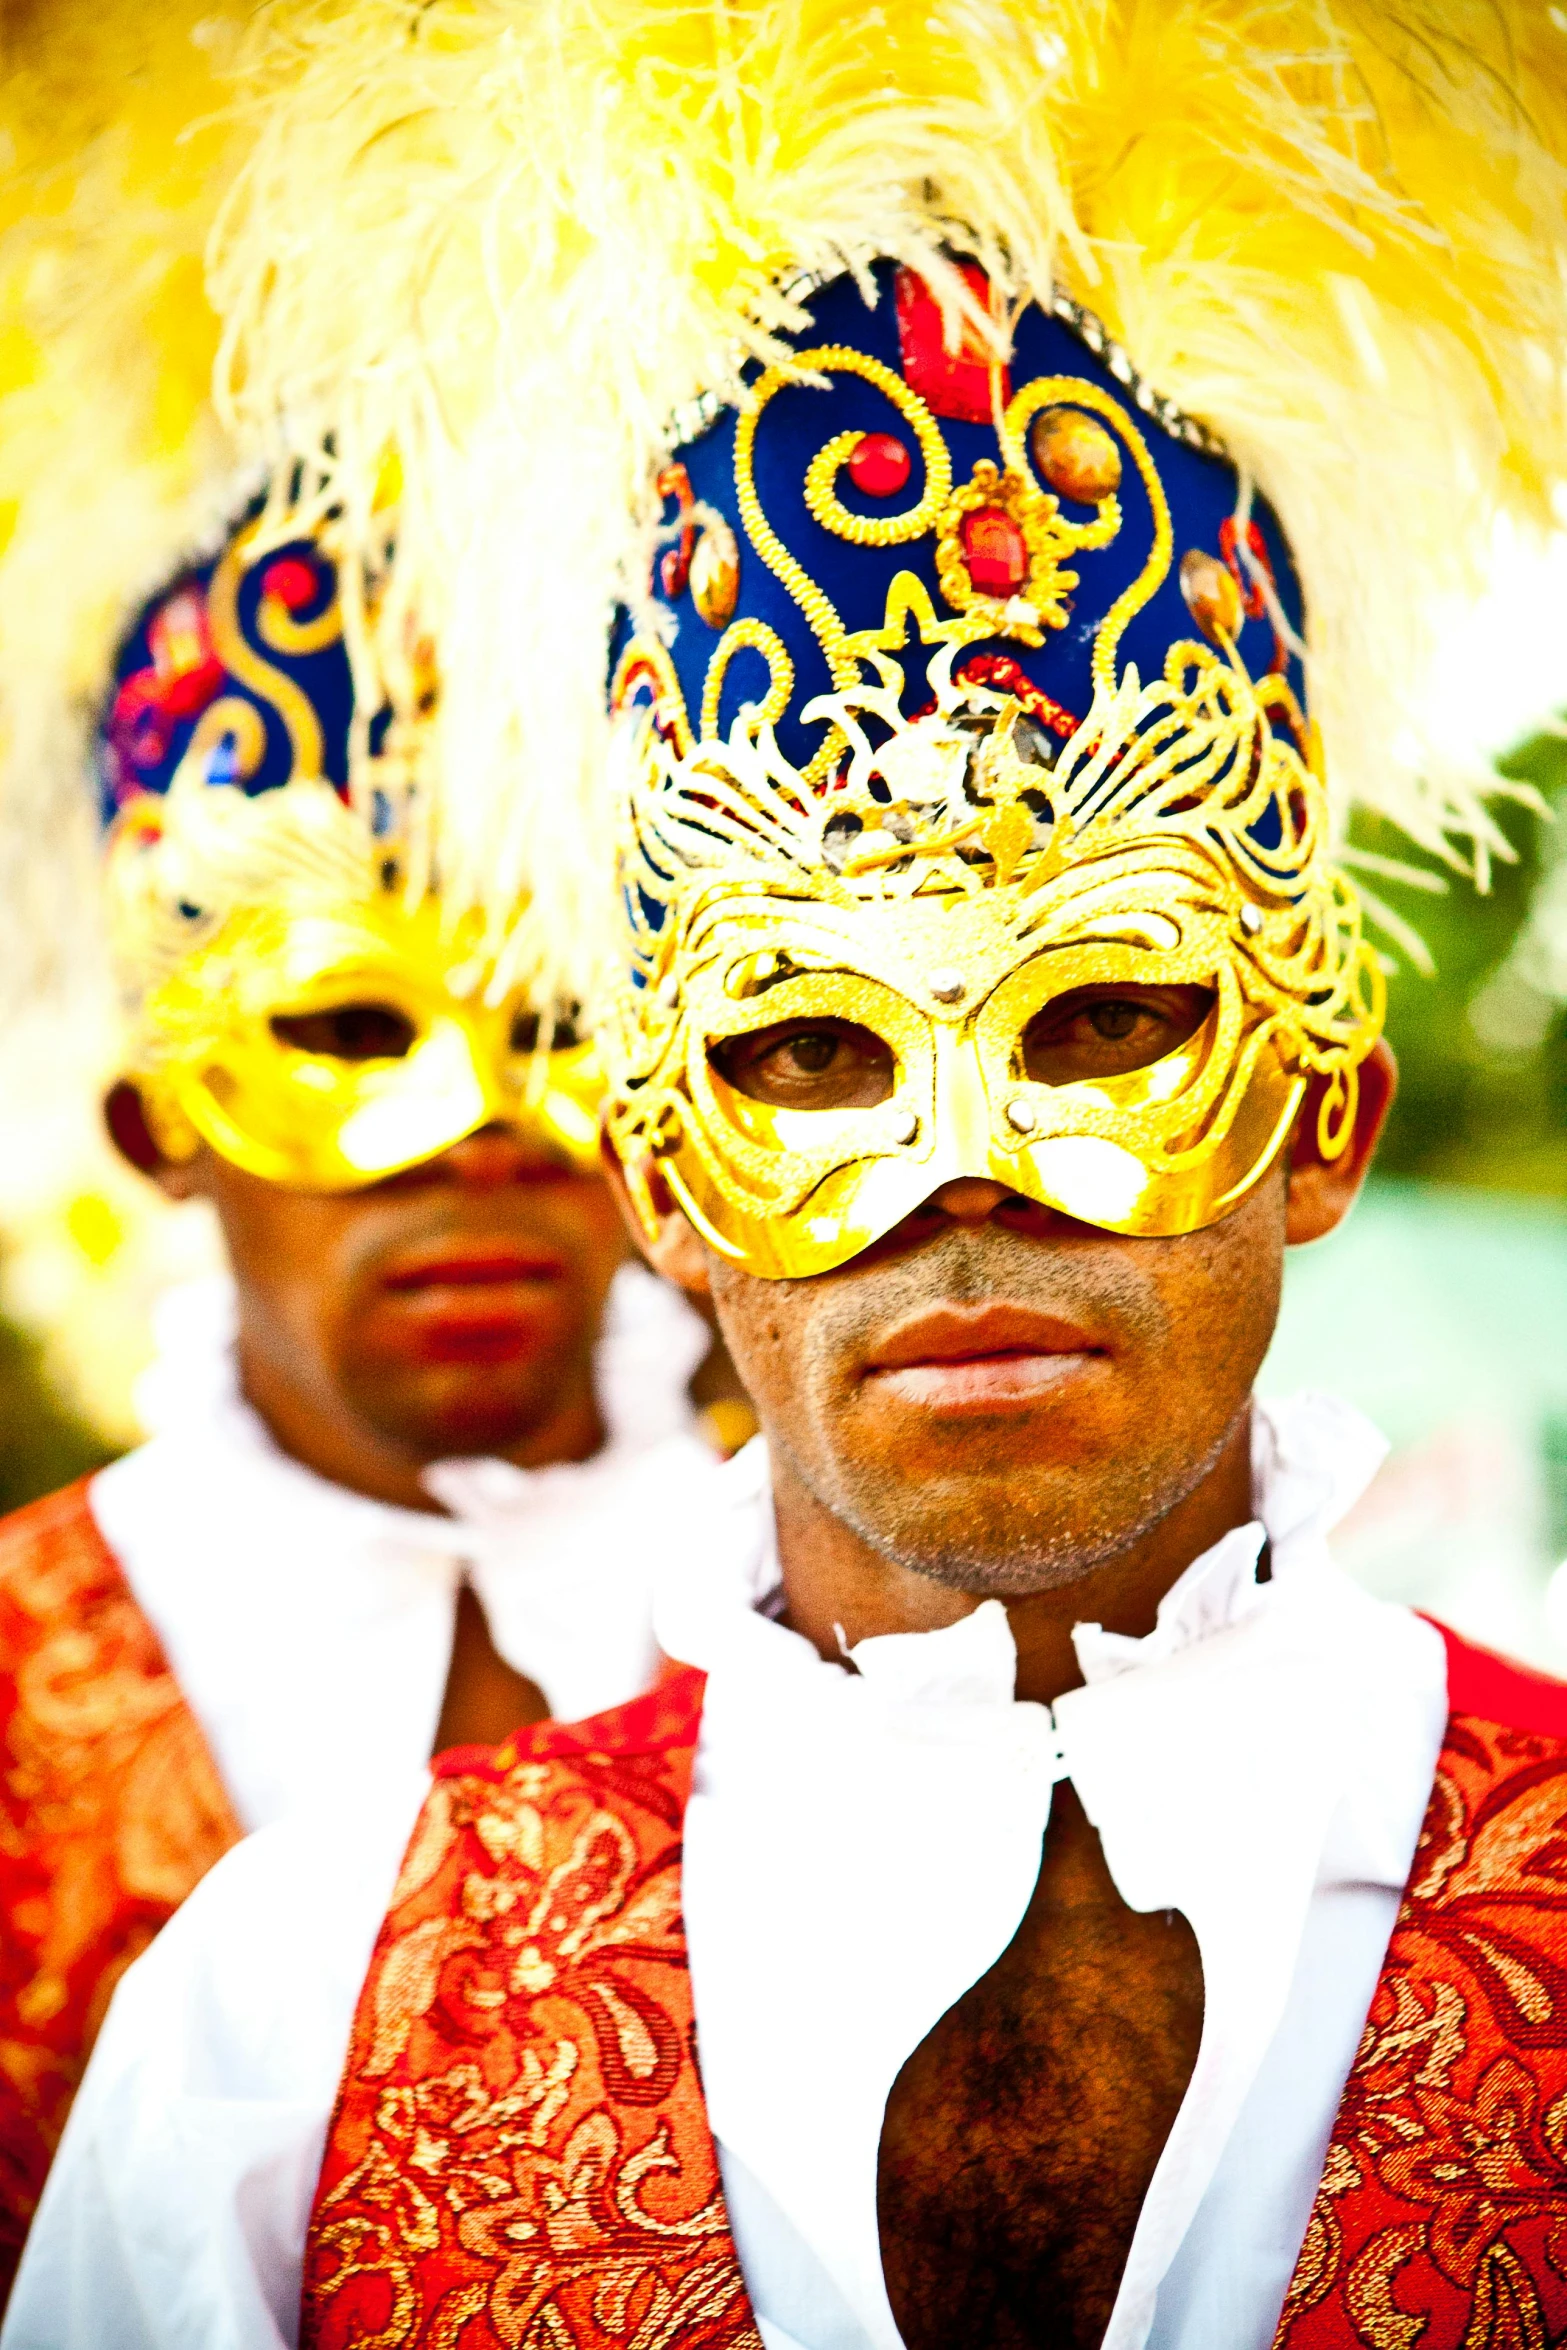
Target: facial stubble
column 1022, row 1503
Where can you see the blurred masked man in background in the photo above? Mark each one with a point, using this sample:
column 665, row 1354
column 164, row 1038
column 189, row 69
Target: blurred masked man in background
column 1098, row 1919
column 410, row 1467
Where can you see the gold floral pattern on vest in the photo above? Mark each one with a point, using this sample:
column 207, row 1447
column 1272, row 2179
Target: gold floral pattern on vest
column 1441, row 2219
column 520, row 2155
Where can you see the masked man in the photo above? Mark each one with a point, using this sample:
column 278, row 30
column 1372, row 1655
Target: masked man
column 399, row 1490
column 1098, row 1920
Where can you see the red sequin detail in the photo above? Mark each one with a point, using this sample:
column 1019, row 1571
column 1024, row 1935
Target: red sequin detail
column 1002, row 672
column 957, row 383
column 879, row 465
column 1253, row 600
column 674, row 569
column 183, row 676
column 994, row 550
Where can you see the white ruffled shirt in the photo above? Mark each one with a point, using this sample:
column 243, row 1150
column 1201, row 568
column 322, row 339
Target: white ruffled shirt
column 1261, row 1761
column 310, row 1628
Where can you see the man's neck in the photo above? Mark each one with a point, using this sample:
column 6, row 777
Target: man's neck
column 835, row 1581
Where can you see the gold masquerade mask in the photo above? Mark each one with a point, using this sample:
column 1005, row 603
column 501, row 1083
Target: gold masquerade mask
column 293, row 1002
column 1095, row 960
column 325, row 1049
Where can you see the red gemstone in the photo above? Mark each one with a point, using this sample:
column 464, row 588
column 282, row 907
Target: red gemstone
column 994, row 551
column 293, row 581
column 879, row 464
column 958, row 383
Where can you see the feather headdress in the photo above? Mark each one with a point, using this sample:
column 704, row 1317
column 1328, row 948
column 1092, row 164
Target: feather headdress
column 503, row 239
column 113, row 469
column 112, row 464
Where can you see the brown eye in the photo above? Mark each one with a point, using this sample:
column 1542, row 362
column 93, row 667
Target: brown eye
column 811, row 1054
column 809, row 1065
column 349, row 1032
column 1109, row 1031
column 1114, row 1021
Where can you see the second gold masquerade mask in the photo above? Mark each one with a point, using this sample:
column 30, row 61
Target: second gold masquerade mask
column 293, row 1004
column 325, row 1049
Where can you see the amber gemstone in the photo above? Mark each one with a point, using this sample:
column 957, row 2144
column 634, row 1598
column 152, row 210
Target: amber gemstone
column 879, row 464
column 995, row 551
column 1075, row 455
column 1212, row 596
column 715, row 574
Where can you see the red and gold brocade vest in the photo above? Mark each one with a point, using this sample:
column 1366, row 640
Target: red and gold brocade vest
column 520, row 2157
column 110, row 1810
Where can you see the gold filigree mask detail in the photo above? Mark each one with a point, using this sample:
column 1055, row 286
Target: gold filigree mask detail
column 326, row 1047
column 961, row 879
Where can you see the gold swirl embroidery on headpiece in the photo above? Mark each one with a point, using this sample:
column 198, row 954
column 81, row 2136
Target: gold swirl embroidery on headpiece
column 754, row 636
column 285, row 635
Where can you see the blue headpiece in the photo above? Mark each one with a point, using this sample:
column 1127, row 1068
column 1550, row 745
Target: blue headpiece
column 1034, row 496
column 241, row 660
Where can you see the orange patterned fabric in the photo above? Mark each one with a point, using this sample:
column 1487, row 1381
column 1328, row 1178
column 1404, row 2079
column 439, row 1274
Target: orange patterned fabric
column 110, row 1809
column 1442, row 2214
column 520, row 2157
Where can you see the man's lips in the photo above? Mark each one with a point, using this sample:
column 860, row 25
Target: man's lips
column 472, row 1266
column 472, row 1302
column 979, row 1358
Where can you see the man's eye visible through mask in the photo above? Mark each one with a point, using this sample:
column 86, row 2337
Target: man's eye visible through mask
column 348, row 1032
column 1098, row 1032
column 809, row 1065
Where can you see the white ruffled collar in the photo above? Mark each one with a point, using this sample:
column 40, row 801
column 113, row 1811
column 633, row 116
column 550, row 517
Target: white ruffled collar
column 1312, row 1458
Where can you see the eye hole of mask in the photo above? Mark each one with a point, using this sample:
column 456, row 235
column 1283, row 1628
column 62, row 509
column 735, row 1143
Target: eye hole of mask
column 527, row 1027
column 809, row 1064
column 348, row 1032
column 1098, row 1032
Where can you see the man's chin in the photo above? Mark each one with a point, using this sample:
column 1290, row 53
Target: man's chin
column 464, row 1419
column 1022, row 1572
column 977, row 1535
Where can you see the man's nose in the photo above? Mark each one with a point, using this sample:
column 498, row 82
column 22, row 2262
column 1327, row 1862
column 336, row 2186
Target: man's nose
column 498, row 1154
column 969, row 1199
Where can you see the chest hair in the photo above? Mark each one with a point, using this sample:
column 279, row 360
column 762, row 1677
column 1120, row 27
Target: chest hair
column 1021, row 2135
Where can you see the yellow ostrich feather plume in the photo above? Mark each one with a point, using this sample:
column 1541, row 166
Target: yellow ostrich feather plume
column 505, row 238
column 112, row 465
column 112, row 468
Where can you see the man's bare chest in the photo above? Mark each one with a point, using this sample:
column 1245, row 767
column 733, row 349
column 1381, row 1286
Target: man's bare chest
column 1021, row 2135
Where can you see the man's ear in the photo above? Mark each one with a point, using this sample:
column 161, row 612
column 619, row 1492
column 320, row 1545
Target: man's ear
column 674, row 1249
column 1321, row 1191
column 130, row 1131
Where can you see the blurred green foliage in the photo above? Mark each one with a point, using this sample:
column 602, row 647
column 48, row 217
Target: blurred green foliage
column 42, row 1444
column 1468, row 1112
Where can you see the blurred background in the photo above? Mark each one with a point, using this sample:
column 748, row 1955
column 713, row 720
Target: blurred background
column 1441, row 1309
